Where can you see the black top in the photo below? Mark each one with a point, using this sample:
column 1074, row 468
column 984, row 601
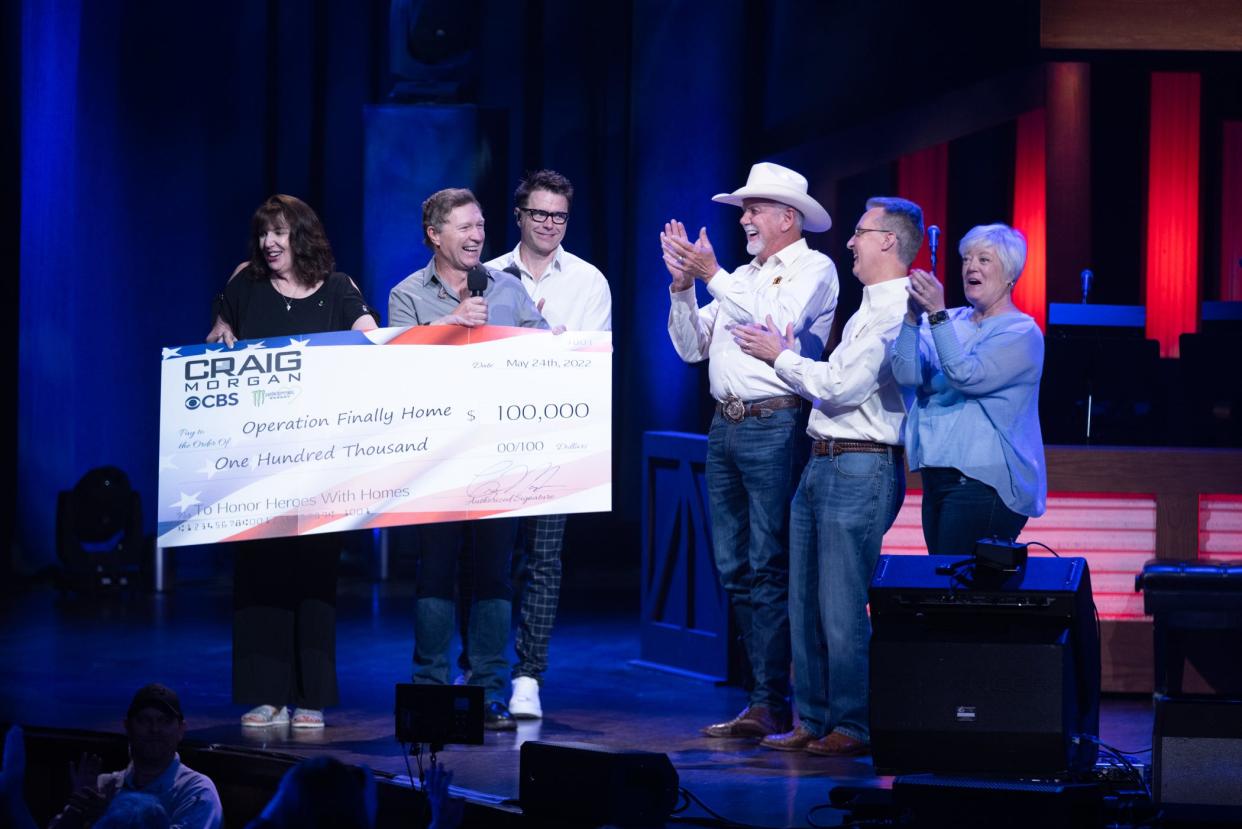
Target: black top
column 253, row 308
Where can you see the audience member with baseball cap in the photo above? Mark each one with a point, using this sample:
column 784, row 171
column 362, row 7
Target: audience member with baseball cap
column 155, row 726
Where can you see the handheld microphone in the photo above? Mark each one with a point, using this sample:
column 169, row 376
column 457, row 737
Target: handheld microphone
column 1087, row 276
column 476, row 280
column 933, row 244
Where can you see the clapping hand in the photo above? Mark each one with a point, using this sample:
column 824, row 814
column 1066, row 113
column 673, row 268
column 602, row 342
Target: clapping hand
column 687, row 261
column 764, row 342
column 85, row 772
column 84, row 780
column 674, row 230
column 926, row 291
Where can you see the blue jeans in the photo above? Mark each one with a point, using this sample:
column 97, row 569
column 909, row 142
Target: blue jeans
column 958, row 511
column 486, row 546
column 488, row 633
column 840, row 513
column 749, row 478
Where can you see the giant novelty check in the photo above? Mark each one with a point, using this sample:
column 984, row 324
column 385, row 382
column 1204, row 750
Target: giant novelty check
column 350, row 430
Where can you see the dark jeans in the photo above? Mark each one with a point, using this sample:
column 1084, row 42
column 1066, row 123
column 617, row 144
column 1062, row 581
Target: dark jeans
column 487, row 545
column 750, row 469
column 958, row 511
column 840, row 513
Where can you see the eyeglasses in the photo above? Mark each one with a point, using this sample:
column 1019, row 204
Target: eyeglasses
column 859, row 231
column 558, row 217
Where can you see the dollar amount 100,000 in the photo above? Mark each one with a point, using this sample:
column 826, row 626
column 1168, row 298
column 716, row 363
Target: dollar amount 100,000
column 550, row 411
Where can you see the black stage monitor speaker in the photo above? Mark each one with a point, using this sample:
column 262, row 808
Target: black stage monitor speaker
column 1197, row 759
column 935, row 801
column 439, row 715
column 988, row 675
column 594, row 785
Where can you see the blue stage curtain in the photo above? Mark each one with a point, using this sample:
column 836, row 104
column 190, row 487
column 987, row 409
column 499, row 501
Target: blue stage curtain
column 690, row 121
column 149, row 135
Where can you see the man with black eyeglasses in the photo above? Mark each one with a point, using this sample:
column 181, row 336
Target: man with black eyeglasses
column 853, row 484
column 570, row 293
column 568, row 290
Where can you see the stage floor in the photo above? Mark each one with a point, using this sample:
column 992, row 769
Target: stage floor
column 76, row 664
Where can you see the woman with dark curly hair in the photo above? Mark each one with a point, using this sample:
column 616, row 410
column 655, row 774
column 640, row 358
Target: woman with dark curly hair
column 284, row 589
column 289, row 285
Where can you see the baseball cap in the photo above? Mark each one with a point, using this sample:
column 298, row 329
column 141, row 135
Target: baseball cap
column 156, row 696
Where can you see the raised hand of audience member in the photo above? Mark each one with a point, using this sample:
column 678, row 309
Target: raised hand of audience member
column 13, row 809
column 446, row 811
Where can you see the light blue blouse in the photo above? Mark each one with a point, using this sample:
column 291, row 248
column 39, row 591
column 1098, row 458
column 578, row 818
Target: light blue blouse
column 976, row 404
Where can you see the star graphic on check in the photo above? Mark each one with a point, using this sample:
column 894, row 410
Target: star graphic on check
column 208, row 469
column 171, row 352
column 187, row 501
column 296, row 343
column 166, row 462
column 254, row 346
column 212, row 350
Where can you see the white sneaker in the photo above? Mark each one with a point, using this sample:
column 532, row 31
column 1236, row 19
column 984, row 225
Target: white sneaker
column 524, row 704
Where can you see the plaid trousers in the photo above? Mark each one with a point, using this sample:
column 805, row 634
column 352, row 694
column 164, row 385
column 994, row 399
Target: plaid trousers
column 542, row 537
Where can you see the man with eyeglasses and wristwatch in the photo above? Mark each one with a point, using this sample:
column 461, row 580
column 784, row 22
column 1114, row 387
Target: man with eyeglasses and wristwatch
column 753, row 437
column 852, row 485
column 570, row 293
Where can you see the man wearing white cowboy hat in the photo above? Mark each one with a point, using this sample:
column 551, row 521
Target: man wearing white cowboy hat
column 751, row 445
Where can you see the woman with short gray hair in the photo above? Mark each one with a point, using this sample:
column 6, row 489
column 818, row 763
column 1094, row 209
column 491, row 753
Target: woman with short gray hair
column 973, row 430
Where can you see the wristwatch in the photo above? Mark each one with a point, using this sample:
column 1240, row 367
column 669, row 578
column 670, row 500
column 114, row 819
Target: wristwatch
column 940, row 316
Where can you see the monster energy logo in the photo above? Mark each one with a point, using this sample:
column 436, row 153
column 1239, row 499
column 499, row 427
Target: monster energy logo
column 259, row 394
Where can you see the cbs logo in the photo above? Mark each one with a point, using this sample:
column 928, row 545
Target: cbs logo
column 211, row 401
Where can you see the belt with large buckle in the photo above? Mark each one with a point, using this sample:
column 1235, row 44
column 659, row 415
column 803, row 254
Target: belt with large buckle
column 735, row 410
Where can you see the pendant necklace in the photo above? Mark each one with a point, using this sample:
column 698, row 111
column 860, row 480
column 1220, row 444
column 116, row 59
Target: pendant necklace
column 288, row 300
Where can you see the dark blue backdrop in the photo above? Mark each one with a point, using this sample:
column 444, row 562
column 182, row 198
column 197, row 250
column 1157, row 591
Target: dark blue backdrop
column 148, row 132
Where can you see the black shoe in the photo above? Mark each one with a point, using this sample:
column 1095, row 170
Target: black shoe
column 496, row 717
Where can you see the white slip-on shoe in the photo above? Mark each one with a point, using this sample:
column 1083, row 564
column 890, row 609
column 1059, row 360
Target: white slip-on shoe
column 265, row 715
column 524, row 704
column 307, row 718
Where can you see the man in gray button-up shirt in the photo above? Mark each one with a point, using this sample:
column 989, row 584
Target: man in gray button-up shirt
column 437, row 294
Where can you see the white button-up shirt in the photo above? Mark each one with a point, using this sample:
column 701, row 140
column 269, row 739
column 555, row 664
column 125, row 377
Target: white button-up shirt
column 853, row 393
column 576, row 293
column 795, row 284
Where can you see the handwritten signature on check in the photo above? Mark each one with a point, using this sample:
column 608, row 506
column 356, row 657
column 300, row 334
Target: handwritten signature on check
column 513, row 481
